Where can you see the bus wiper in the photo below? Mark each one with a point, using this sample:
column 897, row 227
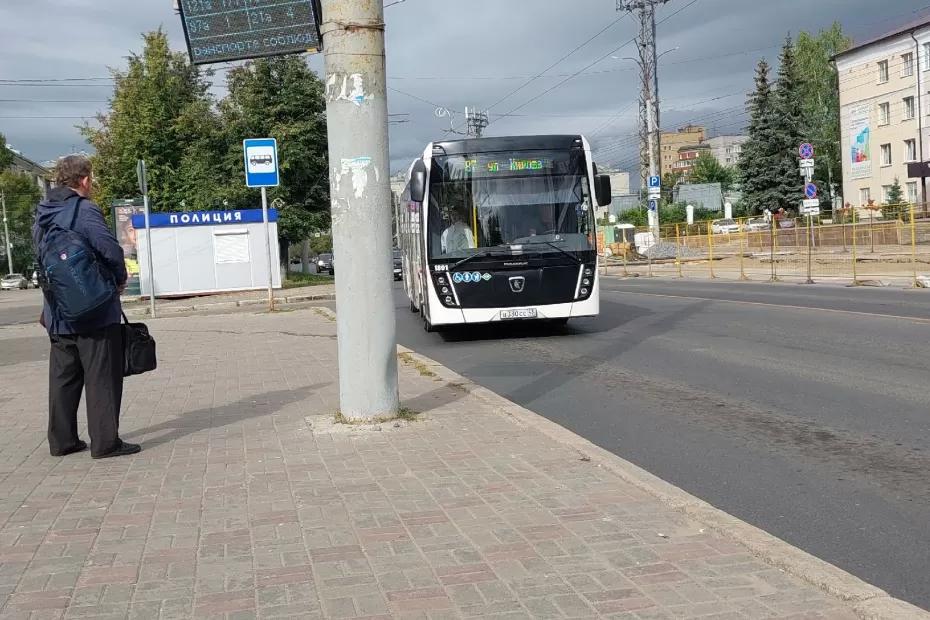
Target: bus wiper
column 486, row 254
column 552, row 245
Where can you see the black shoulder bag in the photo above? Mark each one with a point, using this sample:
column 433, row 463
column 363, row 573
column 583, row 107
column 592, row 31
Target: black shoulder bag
column 138, row 349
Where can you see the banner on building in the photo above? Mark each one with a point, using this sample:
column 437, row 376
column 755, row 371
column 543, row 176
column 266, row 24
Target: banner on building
column 860, row 144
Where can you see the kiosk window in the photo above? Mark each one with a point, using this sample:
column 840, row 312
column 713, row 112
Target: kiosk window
column 231, row 247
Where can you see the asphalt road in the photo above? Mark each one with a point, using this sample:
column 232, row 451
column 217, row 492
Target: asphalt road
column 20, row 307
column 803, row 410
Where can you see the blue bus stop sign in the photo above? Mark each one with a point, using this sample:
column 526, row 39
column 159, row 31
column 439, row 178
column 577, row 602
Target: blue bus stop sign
column 261, row 162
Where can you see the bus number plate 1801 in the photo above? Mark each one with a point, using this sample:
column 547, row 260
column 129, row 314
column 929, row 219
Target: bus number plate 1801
column 522, row 313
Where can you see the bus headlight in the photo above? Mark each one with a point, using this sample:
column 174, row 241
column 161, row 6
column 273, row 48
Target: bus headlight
column 448, row 300
column 584, row 292
column 588, row 271
column 445, row 290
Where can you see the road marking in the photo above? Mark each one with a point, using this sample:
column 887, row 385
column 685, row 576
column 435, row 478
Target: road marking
column 788, row 306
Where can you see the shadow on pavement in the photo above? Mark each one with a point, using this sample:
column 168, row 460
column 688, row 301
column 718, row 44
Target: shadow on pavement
column 434, row 399
column 253, row 406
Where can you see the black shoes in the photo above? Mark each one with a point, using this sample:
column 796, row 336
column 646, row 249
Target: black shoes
column 124, row 449
column 78, row 447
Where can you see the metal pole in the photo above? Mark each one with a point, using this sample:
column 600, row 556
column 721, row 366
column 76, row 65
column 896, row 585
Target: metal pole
column 6, row 234
column 742, row 252
column 854, row 245
column 710, row 246
column 914, row 245
column 810, row 234
column 356, row 110
column 653, row 168
column 678, row 249
column 268, row 249
column 148, row 253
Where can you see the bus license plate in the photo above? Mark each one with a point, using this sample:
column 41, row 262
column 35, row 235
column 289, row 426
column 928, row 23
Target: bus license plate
column 523, row 313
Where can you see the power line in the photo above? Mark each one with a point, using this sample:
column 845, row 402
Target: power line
column 556, row 63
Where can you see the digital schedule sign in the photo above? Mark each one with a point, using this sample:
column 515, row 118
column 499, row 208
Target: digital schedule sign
column 226, row 30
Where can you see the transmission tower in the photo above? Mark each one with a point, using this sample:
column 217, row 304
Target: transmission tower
column 649, row 127
column 475, row 122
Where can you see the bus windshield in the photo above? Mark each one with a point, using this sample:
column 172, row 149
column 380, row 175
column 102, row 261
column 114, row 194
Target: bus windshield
column 539, row 200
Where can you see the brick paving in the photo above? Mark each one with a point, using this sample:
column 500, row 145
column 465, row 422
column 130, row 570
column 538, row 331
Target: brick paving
column 248, row 502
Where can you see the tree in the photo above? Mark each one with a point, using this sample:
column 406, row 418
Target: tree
column 755, row 161
column 281, row 98
column 6, row 155
column 894, row 202
column 787, row 123
column 708, row 170
column 160, row 112
column 820, row 98
column 21, row 195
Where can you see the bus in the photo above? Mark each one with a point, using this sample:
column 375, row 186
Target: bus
column 501, row 229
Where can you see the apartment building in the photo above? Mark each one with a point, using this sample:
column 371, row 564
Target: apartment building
column 671, row 141
column 687, row 157
column 884, row 113
column 726, row 149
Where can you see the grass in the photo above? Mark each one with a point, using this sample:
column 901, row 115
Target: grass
column 421, row 368
column 404, row 413
column 296, row 280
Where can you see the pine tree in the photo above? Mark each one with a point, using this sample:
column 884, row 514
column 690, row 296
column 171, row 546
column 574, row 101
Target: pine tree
column 787, row 133
column 895, row 195
column 753, row 163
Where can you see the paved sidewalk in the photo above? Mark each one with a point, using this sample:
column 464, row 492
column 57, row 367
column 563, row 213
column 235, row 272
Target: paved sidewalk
column 229, row 302
column 249, row 502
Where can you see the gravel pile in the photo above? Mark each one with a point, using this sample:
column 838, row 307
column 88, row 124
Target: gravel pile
column 664, row 249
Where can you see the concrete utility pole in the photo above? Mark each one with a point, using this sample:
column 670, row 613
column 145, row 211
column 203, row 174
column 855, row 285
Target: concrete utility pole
column 6, row 235
column 650, row 128
column 357, row 121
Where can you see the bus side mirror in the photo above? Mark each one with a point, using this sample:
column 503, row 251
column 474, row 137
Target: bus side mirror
column 418, row 182
column 602, row 190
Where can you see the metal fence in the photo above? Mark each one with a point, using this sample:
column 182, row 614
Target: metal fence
column 866, row 246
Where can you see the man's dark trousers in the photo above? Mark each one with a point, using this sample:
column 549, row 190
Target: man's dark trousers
column 91, row 361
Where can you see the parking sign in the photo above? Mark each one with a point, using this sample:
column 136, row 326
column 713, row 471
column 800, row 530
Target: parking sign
column 261, row 162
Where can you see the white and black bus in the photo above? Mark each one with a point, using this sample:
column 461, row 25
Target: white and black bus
column 499, row 229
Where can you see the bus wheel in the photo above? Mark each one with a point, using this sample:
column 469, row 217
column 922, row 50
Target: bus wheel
column 427, row 326
column 413, row 307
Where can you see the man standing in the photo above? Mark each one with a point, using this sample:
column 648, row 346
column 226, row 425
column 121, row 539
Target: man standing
column 87, row 355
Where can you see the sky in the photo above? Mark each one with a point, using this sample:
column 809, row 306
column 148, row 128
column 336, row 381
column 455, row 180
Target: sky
column 443, row 54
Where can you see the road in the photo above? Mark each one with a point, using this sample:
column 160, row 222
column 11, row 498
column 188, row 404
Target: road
column 20, row 307
column 802, row 410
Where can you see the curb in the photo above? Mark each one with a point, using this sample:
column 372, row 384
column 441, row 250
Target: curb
column 867, row 601
column 228, row 305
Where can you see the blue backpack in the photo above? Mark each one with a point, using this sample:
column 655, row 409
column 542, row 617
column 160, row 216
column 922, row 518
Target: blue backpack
column 77, row 286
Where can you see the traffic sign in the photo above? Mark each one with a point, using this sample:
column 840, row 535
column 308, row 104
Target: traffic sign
column 806, row 151
column 810, row 190
column 653, row 205
column 813, row 202
column 811, row 211
column 261, row 162
column 655, row 182
column 807, row 163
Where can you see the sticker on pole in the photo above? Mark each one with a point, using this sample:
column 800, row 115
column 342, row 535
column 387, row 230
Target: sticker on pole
column 261, row 162
column 810, row 190
column 653, row 205
column 806, row 151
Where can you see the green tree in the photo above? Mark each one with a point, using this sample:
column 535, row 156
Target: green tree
column 787, row 123
column 754, row 166
column 820, row 99
column 708, row 170
column 894, row 201
column 21, row 195
column 160, row 112
column 281, row 98
column 6, row 156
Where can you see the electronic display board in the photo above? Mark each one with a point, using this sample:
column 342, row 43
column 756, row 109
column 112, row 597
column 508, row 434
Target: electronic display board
column 226, row 30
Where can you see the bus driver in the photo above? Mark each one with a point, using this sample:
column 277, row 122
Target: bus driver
column 458, row 236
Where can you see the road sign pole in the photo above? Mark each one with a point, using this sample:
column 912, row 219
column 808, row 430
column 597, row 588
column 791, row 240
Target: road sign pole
column 6, row 235
column 268, row 252
column 810, row 231
column 142, row 174
column 356, row 111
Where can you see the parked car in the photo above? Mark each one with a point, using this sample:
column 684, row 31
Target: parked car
column 724, row 227
column 324, row 262
column 398, row 265
column 756, row 224
column 14, row 281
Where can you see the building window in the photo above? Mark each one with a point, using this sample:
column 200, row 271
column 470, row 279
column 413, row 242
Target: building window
column 912, row 192
column 884, row 113
column 908, row 108
column 864, row 196
column 886, row 154
column 926, row 56
column 882, row 71
column 886, row 191
column 910, row 150
column 907, row 64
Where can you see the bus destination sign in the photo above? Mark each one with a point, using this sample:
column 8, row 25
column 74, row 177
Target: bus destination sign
column 226, row 30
